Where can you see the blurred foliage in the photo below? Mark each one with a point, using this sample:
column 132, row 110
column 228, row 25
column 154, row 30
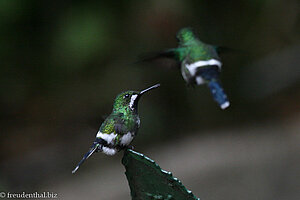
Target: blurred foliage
column 63, row 63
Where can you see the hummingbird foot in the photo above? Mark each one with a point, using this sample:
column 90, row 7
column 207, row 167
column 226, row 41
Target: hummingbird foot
column 130, row 147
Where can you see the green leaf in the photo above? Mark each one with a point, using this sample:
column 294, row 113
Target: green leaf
column 148, row 181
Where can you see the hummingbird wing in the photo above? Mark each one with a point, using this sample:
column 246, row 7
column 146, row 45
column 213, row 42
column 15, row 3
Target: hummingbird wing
column 166, row 59
column 224, row 50
column 170, row 53
column 114, row 124
column 121, row 128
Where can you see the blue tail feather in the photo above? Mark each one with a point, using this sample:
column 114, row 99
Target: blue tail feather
column 218, row 93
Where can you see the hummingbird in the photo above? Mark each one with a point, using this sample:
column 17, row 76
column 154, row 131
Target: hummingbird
column 120, row 127
column 199, row 63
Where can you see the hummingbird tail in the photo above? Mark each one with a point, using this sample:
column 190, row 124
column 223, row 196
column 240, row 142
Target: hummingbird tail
column 218, row 93
column 97, row 145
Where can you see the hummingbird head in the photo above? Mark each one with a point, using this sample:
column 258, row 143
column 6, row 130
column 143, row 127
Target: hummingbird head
column 185, row 35
column 128, row 101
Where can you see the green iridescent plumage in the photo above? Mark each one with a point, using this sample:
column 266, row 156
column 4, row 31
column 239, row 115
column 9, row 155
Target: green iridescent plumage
column 120, row 127
column 123, row 119
column 190, row 47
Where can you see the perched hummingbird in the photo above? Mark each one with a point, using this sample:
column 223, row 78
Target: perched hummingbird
column 199, row 63
column 120, row 127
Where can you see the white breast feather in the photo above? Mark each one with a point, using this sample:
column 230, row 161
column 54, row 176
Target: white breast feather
column 109, row 138
column 109, row 151
column 126, row 139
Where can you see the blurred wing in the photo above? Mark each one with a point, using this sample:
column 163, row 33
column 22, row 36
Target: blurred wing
column 223, row 50
column 166, row 59
column 156, row 55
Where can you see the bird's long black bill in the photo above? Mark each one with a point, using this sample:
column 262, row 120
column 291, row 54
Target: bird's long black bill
column 86, row 156
column 150, row 88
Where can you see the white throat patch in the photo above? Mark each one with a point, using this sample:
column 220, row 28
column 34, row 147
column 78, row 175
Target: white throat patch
column 132, row 100
column 194, row 66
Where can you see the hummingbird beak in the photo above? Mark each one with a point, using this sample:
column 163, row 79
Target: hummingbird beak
column 148, row 89
column 135, row 98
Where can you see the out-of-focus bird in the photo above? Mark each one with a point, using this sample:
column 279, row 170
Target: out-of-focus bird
column 199, row 63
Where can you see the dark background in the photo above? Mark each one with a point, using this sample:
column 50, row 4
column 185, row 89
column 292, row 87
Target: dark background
column 63, row 63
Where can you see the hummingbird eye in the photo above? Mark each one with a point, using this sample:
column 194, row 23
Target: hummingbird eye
column 126, row 96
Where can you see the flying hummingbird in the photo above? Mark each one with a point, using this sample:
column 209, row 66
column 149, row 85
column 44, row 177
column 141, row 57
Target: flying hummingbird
column 120, row 127
column 199, row 63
